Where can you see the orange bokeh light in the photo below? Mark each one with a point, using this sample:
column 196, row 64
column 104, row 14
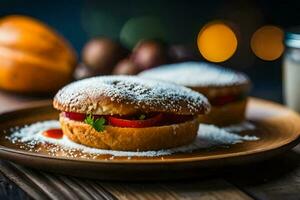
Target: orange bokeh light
column 217, row 42
column 267, row 42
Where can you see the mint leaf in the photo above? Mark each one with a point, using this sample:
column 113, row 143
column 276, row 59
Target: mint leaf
column 97, row 124
column 89, row 120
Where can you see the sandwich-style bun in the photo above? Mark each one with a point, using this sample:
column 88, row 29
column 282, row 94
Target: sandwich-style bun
column 215, row 82
column 126, row 95
column 131, row 139
column 230, row 113
column 209, row 79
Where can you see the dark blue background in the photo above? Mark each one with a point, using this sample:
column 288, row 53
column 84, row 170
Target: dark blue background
column 77, row 21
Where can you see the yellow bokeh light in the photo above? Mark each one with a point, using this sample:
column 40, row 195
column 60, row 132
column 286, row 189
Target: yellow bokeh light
column 267, row 42
column 217, row 42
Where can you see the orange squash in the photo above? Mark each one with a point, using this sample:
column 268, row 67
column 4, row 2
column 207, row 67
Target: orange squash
column 33, row 57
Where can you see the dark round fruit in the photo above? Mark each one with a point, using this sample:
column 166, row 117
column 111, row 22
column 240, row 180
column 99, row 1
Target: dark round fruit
column 102, row 54
column 149, row 53
column 126, row 67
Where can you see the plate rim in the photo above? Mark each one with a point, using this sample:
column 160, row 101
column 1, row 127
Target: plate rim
column 46, row 103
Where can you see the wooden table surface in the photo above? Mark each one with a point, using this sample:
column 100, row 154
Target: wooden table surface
column 278, row 178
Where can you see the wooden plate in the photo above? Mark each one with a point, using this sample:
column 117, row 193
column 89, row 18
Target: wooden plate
column 277, row 127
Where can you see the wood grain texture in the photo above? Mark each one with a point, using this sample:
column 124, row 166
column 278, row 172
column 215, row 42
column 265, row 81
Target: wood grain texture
column 216, row 189
column 48, row 186
column 40, row 185
column 19, row 179
column 10, row 191
column 278, row 178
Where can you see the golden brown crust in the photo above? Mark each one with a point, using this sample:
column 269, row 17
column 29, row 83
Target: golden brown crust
column 230, row 113
column 212, row 92
column 125, row 95
column 131, row 139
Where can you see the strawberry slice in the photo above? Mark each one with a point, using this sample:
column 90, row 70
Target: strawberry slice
column 75, row 116
column 119, row 122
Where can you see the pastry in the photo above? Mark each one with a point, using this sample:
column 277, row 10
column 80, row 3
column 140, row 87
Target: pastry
column 225, row 89
column 129, row 113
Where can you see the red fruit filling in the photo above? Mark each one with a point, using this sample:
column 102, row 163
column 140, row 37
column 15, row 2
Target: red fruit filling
column 136, row 121
column 222, row 100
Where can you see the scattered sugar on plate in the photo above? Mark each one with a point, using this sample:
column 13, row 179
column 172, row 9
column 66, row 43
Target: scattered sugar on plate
column 208, row 136
column 244, row 126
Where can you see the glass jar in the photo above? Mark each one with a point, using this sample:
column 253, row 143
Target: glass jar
column 291, row 69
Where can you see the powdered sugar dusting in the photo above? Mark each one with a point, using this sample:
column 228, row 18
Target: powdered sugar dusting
column 196, row 74
column 244, row 126
column 142, row 93
column 208, row 136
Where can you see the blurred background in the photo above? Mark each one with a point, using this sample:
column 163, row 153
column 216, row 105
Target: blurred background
column 242, row 35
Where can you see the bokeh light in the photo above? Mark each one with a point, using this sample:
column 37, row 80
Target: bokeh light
column 217, row 42
column 267, row 42
column 141, row 28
